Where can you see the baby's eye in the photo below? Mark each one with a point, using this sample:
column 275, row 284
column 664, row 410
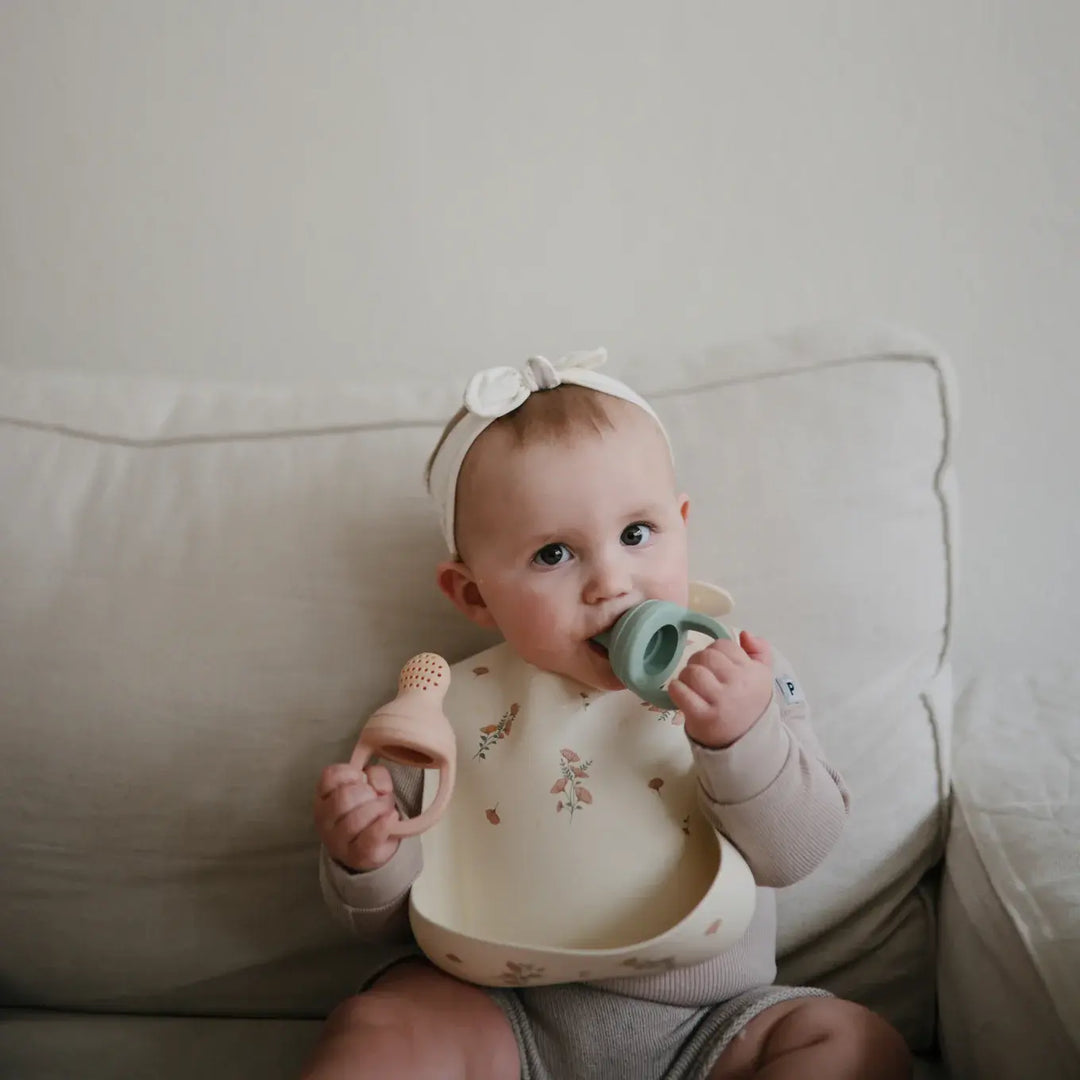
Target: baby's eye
column 552, row 555
column 637, row 534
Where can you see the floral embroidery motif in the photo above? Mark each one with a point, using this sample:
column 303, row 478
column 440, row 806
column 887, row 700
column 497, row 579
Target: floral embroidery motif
column 520, row 974
column 656, row 783
column 493, row 815
column 666, row 963
column 492, row 733
column 664, row 716
column 575, row 793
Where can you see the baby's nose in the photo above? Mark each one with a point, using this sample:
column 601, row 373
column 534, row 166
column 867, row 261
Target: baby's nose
column 609, row 578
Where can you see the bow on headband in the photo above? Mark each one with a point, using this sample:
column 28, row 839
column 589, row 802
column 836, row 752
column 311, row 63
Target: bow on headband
column 497, row 391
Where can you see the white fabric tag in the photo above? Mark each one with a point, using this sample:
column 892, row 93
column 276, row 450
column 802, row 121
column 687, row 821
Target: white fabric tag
column 789, row 689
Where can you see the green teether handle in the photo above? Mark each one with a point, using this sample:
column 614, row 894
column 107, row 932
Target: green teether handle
column 694, row 620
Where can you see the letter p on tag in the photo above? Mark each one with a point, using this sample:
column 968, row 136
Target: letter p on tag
column 789, row 689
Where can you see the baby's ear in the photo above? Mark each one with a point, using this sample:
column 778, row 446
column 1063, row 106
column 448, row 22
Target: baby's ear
column 456, row 581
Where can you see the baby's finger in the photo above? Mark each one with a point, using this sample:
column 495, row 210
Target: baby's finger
column 347, row 799
column 723, row 662
column 371, row 844
column 687, row 700
column 361, row 817
column 336, row 776
column 733, row 650
column 329, row 810
column 756, row 648
column 708, row 676
column 378, row 776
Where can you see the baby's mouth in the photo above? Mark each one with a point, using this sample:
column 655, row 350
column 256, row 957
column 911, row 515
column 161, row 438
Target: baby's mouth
column 597, row 645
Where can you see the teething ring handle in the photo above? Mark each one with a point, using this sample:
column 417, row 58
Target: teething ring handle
column 690, row 620
column 706, row 624
column 399, row 748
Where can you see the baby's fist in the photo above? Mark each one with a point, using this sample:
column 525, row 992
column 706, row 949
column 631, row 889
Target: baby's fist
column 724, row 689
column 353, row 813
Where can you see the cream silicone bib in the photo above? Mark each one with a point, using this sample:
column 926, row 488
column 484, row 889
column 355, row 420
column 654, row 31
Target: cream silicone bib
column 573, row 847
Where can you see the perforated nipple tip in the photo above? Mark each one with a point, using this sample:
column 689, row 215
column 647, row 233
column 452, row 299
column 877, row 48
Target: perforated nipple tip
column 425, row 671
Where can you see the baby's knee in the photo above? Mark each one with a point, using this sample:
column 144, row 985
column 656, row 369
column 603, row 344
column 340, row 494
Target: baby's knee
column 399, row 1010
column 369, row 1011
column 861, row 1042
column 418, row 1015
column 368, row 1027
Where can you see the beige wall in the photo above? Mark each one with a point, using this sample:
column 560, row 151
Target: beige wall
column 270, row 189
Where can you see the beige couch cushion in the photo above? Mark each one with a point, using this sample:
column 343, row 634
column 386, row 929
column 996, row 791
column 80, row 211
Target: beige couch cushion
column 66, row 1046
column 207, row 588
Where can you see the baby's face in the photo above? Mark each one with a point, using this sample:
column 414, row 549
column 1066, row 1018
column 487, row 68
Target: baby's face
column 560, row 538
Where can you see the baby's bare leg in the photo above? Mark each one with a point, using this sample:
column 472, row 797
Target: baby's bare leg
column 819, row 1037
column 416, row 1023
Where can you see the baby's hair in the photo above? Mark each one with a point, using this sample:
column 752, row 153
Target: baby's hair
column 546, row 415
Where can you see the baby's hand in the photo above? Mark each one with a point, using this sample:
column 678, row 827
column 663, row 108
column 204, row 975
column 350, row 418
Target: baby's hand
column 724, row 689
column 353, row 813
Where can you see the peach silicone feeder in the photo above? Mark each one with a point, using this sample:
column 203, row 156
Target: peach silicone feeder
column 413, row 730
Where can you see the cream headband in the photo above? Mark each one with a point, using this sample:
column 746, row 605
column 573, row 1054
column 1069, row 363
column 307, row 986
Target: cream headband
column 497, row 391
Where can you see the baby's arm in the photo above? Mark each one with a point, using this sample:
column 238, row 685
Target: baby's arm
column 770, row 791
column 365, row 874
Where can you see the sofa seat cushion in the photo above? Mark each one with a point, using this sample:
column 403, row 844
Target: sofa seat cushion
column 60, row 1046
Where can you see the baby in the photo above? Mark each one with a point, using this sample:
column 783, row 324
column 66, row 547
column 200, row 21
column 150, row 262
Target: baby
column 559, row 505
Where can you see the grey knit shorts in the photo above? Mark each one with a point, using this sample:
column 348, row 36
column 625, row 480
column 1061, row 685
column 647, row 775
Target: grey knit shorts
column 576, row 1032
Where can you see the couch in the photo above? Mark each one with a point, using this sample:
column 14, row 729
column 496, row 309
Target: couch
column 208, row 586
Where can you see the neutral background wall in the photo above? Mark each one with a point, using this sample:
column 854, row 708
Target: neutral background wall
column 271, row 189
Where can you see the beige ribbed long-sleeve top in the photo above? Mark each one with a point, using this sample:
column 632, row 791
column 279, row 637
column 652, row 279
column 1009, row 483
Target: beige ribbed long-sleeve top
column 771, row 793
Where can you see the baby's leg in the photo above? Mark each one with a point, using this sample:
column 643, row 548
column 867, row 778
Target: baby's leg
column 416, row 1023
column 815, row 1036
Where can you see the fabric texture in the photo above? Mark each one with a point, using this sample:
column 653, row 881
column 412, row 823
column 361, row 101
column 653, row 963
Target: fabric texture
column 565, row 1031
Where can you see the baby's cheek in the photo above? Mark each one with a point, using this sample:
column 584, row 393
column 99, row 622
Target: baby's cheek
column 675, row 587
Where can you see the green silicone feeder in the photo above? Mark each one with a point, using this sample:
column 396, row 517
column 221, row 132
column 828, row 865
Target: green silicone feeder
column 647, row 643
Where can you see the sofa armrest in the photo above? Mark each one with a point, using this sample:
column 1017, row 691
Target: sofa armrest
column 1009, row 958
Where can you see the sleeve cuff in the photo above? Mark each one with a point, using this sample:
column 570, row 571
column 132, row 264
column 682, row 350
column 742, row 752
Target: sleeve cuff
column 737, row 773
column 371, row 890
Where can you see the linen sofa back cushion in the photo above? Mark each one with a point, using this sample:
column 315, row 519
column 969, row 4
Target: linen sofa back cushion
column 208, row 587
